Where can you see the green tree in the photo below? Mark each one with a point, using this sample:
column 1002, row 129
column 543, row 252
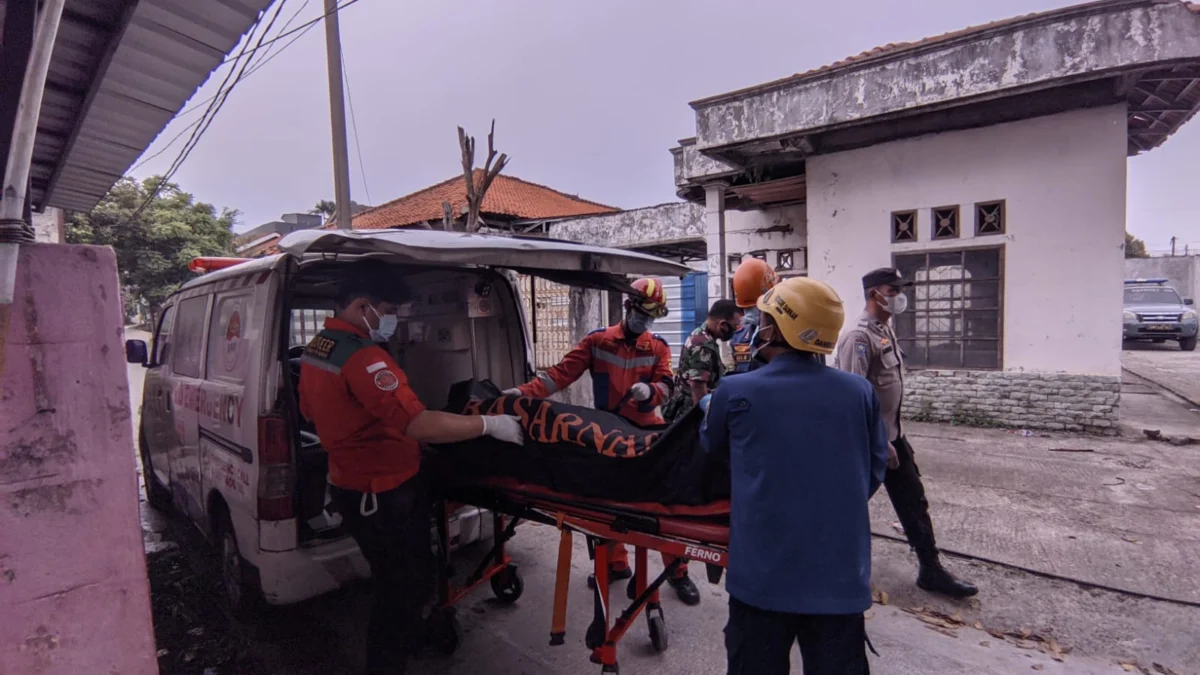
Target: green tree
column 324, row 208
column 155, row 246
column 1134, row 247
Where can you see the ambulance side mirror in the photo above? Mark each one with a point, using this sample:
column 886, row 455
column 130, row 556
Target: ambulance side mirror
column 136, row 352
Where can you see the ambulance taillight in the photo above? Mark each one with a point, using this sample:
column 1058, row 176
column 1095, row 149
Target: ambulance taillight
column 276, row 477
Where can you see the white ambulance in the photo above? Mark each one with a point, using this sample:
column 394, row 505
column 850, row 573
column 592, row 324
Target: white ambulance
column 221, row 437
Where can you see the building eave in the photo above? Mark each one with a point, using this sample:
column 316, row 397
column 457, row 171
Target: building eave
column 119, row 73
column 1114, row 41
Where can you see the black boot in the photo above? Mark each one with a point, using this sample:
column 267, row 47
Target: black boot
column 619, row 573
column 935, row 579
column 686, row 590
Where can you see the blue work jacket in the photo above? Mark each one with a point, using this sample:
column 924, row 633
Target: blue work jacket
column 807, row 449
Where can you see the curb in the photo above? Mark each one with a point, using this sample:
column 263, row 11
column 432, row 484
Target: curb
column 1160, row 385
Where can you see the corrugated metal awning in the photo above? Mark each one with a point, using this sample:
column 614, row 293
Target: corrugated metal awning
column 120, row 71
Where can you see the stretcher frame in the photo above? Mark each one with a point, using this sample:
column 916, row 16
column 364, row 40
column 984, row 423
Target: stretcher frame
column 602, row 524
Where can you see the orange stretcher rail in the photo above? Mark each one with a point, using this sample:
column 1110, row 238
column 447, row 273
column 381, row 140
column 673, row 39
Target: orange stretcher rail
column 699, row 533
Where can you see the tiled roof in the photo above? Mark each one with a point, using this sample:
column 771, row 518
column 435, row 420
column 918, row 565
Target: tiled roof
column 507, row 196
column 893, row 48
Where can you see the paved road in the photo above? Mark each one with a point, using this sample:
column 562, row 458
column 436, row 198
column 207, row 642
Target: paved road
column 1167, row 366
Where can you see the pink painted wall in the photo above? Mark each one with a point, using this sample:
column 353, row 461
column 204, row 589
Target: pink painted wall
column 73, row 591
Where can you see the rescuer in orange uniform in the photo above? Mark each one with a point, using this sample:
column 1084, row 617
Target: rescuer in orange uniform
column 631, row 376
column 372, row 425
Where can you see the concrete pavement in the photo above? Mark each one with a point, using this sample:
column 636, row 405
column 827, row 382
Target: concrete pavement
column 1175, row 370
column 1113, row 512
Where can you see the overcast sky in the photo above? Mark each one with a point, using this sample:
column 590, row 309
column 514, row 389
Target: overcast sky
column 588, row 97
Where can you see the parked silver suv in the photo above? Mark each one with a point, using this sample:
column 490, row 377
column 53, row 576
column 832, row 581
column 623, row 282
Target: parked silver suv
column 1155, row 312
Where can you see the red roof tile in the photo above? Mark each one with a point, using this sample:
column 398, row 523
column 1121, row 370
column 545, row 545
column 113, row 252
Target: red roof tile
column 508, row 196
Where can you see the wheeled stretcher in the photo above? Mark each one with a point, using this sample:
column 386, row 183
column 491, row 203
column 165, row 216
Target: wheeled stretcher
column 699, row 533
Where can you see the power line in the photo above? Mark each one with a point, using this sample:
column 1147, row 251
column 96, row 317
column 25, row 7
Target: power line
column 267, row 57
column 215, row 106
column 354, row 125
column 302, row 26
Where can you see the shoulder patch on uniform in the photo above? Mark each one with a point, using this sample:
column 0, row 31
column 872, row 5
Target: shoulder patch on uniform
column 861, row 348
column 661, row 339
column 321, row 347
column 386, row 380
column 378, row 365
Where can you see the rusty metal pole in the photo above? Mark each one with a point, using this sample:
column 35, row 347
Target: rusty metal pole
column 14, row 230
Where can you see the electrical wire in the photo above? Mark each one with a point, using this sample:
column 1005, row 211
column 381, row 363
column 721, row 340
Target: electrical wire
column 362, row 170
column 215, row 106
column 267, row 57
column 218, row 101
column 303, row 26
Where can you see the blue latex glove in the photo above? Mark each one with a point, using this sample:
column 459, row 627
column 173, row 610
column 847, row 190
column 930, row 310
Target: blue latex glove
column 704, row 403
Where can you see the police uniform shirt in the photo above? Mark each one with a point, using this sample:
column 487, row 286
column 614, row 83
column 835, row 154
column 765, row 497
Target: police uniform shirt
column 870, row 349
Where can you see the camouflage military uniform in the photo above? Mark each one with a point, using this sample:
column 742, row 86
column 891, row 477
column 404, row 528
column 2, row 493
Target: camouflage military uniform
column 700, row 361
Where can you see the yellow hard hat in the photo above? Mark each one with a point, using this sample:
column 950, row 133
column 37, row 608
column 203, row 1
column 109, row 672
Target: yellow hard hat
column 807, row 312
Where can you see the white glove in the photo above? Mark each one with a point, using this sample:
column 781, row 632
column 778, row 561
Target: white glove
column 511, row 392
column 504, row 428
column 640, row 392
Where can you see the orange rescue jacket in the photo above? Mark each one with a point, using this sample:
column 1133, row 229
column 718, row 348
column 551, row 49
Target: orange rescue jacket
column 361, row 403
column 616, row 364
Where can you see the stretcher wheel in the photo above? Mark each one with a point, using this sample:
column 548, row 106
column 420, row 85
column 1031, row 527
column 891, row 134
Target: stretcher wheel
column 658, row 634
column 445, row 633
column 508, row 586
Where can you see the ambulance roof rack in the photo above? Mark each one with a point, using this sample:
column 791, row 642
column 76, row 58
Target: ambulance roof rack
column 212, row 264
column 1147, row 281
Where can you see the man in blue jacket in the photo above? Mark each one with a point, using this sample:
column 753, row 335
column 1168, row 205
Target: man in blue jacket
column 807, row 448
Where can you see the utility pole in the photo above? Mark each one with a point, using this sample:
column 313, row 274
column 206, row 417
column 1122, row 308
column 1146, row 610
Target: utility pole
column 337, row 116
column 1172, row 247
column 14, row 229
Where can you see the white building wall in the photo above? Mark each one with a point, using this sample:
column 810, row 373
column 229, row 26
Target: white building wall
column 1063, row 180
column 768, row 232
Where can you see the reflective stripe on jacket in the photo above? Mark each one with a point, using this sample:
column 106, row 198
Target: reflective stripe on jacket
column 616, row 364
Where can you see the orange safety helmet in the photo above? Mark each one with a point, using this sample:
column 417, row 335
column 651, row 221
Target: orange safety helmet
column 652, row 299
column 751, row 279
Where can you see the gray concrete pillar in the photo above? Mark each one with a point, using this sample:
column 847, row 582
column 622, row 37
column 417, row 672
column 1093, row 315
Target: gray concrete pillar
column 714, row 233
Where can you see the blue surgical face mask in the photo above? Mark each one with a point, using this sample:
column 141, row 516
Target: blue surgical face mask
column 638, row 323
column 387, row 326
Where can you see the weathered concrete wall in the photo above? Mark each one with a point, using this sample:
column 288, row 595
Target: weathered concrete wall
column 587, row 314
column 770, row 231
column 1012, row 399
column 1063, row 181
column 74, row 597
column 1069, row 44
column 1182, row 271
column 665, row 223
column 48, row 226
column 691, row 165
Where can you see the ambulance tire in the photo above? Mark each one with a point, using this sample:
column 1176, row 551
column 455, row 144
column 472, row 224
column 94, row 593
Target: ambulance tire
column 242, row 599
column 157, row 494
column 508, row 586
